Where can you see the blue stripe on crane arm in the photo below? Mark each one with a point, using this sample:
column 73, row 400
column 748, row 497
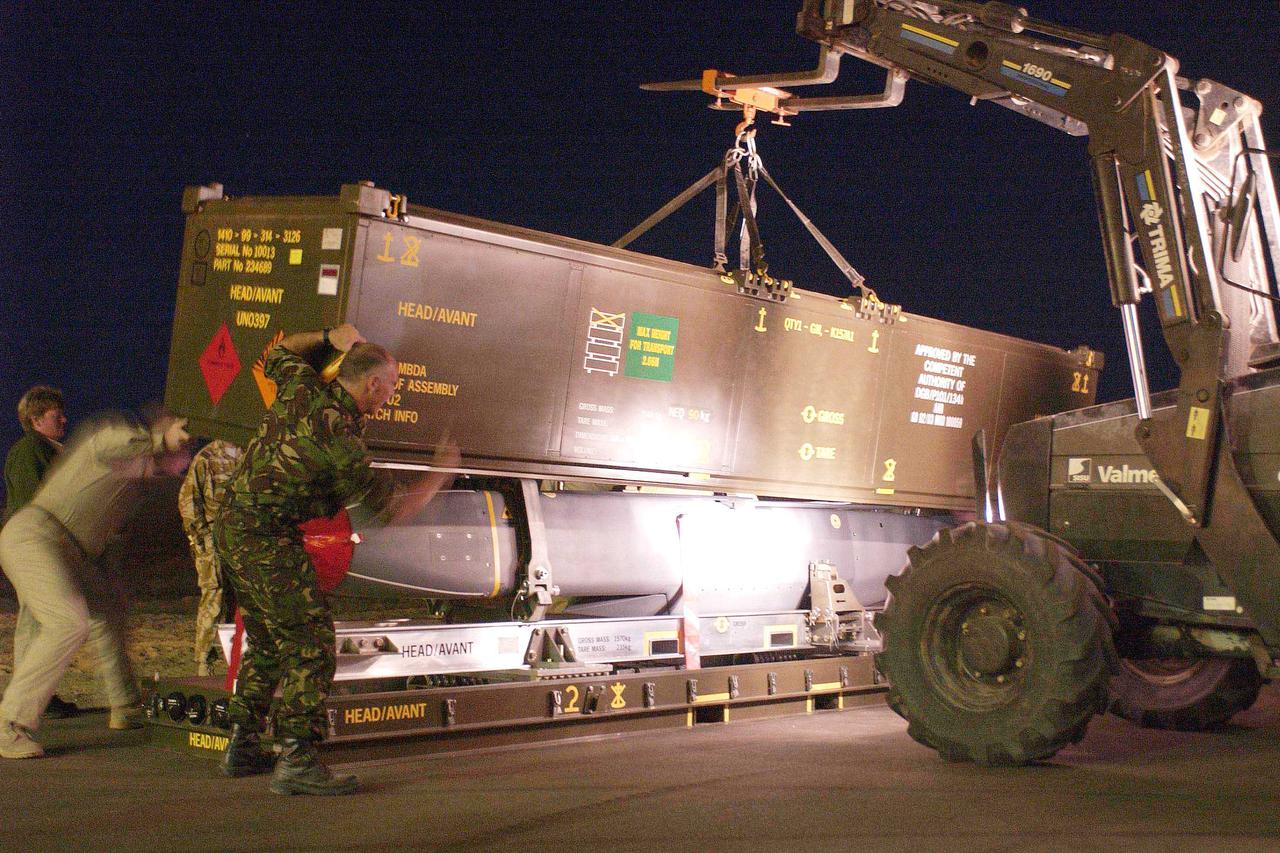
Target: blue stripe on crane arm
column 928, row 39
column 1053, row 88
column 1146, row 191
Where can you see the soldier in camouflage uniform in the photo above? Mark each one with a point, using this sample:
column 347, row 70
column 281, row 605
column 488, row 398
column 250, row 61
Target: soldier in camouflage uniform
column 199, row 503
column 307, row 460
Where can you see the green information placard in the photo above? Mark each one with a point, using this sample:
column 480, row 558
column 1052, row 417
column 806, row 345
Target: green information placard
column 651, row 346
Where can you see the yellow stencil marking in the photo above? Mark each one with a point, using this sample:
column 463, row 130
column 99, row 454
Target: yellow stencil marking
column 386, row 256
column 409, row 258
column 493, row 536
column 604, row 318
column 1198, row 423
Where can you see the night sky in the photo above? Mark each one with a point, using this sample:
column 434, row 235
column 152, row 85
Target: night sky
column 530, row 113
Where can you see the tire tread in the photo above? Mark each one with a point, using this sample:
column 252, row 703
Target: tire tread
column 1081, row 624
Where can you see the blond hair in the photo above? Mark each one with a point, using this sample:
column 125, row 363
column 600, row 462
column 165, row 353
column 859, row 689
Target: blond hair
column 38, row 401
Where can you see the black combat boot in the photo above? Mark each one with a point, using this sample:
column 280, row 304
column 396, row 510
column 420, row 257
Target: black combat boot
column 244, row 755
column 300, row 771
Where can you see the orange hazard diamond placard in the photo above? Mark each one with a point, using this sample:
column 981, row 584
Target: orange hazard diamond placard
column 219, row 364
column 266, row 387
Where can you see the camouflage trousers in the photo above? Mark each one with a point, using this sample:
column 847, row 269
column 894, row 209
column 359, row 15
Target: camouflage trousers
column 289, row 634
column 209, row 610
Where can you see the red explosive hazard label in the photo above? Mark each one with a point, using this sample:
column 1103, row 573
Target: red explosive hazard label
column 219, row 364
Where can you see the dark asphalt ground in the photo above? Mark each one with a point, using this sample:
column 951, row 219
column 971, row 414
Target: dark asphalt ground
column 832, row 781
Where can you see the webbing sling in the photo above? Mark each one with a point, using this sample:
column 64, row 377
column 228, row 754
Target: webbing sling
column 751, row 248
column 855, row 278
column 669, row 208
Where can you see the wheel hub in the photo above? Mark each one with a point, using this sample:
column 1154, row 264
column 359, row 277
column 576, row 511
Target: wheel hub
column 987, row 644
column 977, row 647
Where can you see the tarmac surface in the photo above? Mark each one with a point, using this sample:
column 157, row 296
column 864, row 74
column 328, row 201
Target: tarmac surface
column 836, row 780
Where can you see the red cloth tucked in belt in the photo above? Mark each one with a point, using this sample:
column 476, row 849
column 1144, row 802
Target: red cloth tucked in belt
column 327, row 542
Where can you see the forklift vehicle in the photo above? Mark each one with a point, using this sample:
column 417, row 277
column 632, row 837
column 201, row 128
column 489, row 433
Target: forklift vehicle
column 1126, row 556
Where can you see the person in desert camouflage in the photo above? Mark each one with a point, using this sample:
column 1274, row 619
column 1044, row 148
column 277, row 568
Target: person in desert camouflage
column 199, row 503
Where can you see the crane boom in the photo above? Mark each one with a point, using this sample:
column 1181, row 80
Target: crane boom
column 1189, row 185
column 1190, row 188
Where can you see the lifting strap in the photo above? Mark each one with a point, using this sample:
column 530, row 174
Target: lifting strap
column 857, row 279
column 750, row 245
column 671, row 207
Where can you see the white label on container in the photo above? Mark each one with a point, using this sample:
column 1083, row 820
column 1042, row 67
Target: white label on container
column 1219, row 602
column 331, row 239
column 328, row 283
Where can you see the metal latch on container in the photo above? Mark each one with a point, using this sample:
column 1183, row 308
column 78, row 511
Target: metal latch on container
column 871, row 308
column 760, row 285
column 397, row 208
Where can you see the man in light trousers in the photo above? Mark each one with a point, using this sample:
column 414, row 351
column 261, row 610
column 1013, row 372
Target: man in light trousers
column 49, row 551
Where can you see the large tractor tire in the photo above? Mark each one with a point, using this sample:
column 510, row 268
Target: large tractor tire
column 1186, row 695
column 997, row 645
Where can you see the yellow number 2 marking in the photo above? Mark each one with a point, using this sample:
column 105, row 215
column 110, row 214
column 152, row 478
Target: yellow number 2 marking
column 572, row 706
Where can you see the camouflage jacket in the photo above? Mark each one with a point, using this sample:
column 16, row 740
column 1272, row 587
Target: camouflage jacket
column 201, row 496
column 307, row 459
